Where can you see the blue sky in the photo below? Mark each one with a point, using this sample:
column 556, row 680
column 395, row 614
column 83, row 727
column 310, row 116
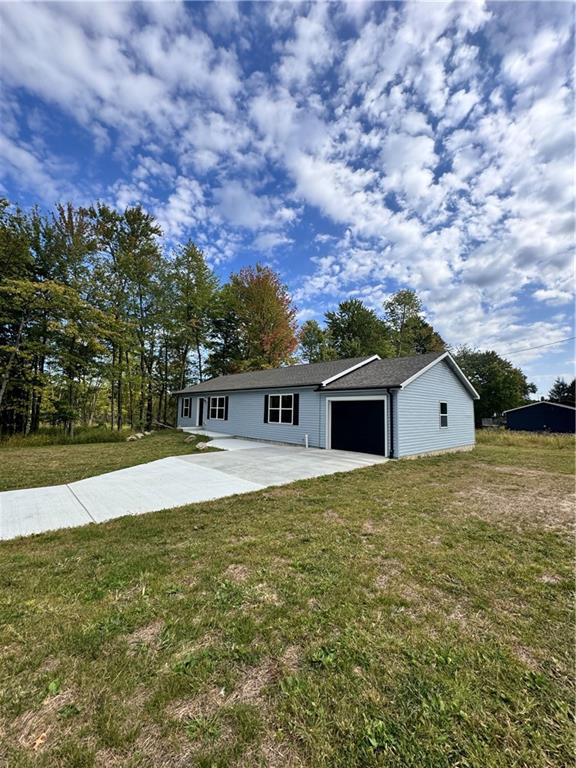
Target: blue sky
column 356, row 147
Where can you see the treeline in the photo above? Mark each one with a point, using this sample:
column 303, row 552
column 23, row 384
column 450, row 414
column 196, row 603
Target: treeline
column 354, row 330
column 99, row 324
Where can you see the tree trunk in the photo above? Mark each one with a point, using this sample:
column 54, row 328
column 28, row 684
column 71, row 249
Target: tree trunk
column 112, row 387
column 6, row 374
column 130, row 391
column 119, row 393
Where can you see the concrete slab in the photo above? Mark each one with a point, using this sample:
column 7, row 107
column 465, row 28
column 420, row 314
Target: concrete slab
column 161, row 484
column 243, row 467
column 34, row 510
column 204, row 432
column 278, row 465
column 236, row 444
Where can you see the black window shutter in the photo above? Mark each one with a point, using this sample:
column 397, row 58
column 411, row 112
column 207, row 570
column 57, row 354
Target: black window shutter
column 296, row 412
column 226, row 408
column 208, row 414
column 182, row 406
column 265, row 409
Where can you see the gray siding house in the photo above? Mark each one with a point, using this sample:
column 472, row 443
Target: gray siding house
column 394, row 407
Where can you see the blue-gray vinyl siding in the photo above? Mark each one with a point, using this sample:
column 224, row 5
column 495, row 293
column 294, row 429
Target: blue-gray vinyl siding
column 419, row 413
column 416, row 414
column 246, row 417
column 191, row 421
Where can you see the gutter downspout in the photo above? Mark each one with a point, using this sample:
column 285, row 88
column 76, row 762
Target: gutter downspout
column 391, row 402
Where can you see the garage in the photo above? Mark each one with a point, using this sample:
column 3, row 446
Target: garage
column 358, row 425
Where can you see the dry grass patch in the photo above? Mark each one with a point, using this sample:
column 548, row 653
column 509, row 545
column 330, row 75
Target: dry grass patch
column 36, row 729
column 146, row 637
column 530, row 498
column 237, row 573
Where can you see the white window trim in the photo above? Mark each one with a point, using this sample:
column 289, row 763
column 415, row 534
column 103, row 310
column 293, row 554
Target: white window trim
column 218, row 407
column 328, row 431
column 280, row 395
column 440, row 414
column 186, row 406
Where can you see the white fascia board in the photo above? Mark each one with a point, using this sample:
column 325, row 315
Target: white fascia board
column 457, row 370
column 540, row 402
column 349, row 370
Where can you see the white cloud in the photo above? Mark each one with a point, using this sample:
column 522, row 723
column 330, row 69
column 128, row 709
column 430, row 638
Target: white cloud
column 428, row 145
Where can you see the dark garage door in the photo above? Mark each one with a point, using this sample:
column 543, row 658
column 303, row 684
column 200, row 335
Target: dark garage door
column 358, row 425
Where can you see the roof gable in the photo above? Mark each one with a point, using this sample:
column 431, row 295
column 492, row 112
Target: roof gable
column 541, row 402
column 352, row 373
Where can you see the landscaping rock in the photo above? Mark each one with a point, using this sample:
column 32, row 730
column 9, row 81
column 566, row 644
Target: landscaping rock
column 139, row 435
column 202, row 445
column 131, row 438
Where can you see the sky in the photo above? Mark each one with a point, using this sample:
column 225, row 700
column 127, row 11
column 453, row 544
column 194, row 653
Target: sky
column 357, row 148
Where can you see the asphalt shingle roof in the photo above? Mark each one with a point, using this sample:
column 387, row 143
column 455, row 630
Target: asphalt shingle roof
column 391, row 372
column 312, row 374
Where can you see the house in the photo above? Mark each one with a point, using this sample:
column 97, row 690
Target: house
column 542, row 417
column 394, row 407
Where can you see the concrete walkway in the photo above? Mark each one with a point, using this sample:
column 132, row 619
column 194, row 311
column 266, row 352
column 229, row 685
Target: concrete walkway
column 243, row 466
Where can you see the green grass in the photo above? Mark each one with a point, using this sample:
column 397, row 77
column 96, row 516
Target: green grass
column 29, row 466
column 417, row 613
column 57, row 436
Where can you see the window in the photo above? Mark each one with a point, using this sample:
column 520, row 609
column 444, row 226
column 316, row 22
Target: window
column 443, row 414
column 281, row 409
column 185, row 407
column 218, row 408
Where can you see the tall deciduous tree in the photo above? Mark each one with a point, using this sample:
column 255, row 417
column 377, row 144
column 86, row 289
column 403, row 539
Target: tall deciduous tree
column 194, row 288
column 226, row 343
column 267, row 317
column 356, row 330
column 500, row 384
column 410, row 334
column 315, row 343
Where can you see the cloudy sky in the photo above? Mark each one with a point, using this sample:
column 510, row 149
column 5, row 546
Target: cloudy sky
column 355, row 147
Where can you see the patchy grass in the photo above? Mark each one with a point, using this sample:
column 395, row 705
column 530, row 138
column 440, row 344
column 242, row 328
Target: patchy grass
column 415, row 613
column 33, row 466
column 548, row 452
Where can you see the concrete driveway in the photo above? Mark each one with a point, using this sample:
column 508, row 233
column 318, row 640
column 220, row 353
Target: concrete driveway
column 241, row 467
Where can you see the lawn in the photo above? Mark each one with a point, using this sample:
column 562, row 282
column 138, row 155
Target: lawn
column 28, row 466
column 417, row 613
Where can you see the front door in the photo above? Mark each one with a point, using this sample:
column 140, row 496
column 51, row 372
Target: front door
column 358, row 425
column 200, row 411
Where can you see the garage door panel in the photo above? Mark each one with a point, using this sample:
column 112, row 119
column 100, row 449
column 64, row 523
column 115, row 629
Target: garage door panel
column 358, row 425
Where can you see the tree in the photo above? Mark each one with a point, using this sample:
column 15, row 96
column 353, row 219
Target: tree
column 562, row 392
column 501, row 386
column 356, row 330
column 409, row 332
column 193, row 292
column 315, row 343
column 225, row 341
column 266, row 315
